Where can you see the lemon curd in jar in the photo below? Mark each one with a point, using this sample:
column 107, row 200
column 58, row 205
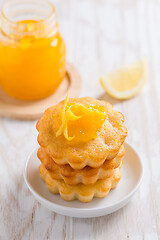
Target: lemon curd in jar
column 32, row 52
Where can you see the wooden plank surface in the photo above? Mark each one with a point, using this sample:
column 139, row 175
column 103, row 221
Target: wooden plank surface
column 100, row 36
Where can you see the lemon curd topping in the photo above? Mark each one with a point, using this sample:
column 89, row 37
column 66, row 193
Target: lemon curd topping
column 80, row 123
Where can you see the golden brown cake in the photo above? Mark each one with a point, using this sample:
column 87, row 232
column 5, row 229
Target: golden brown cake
column 81, row 148
column 100, row 143
column 84, row 193
column 87, row 175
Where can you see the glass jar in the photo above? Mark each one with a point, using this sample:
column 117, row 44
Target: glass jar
column 32, row 52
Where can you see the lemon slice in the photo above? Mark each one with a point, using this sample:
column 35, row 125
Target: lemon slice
column 127, row 81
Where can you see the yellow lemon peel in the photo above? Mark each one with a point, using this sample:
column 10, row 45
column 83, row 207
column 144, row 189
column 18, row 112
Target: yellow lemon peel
column 66, row 116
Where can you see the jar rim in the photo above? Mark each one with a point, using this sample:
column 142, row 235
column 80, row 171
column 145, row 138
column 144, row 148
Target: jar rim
column 40, row 12
column 16, row 1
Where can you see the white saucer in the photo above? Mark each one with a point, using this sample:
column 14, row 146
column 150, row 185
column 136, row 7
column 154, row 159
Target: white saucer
column 116, row 199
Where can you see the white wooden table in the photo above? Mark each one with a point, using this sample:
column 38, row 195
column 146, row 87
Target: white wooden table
column 100, row 36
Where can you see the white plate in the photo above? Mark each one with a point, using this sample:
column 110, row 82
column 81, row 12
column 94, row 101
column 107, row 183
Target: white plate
column 116, row 199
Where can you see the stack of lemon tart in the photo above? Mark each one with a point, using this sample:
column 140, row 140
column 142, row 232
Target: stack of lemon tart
column 81, row 148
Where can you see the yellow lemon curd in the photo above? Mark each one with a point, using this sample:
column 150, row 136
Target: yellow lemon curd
column 80, row 123
column 33, row 66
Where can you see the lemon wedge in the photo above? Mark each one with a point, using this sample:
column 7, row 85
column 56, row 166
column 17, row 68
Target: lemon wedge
column 127, row 81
